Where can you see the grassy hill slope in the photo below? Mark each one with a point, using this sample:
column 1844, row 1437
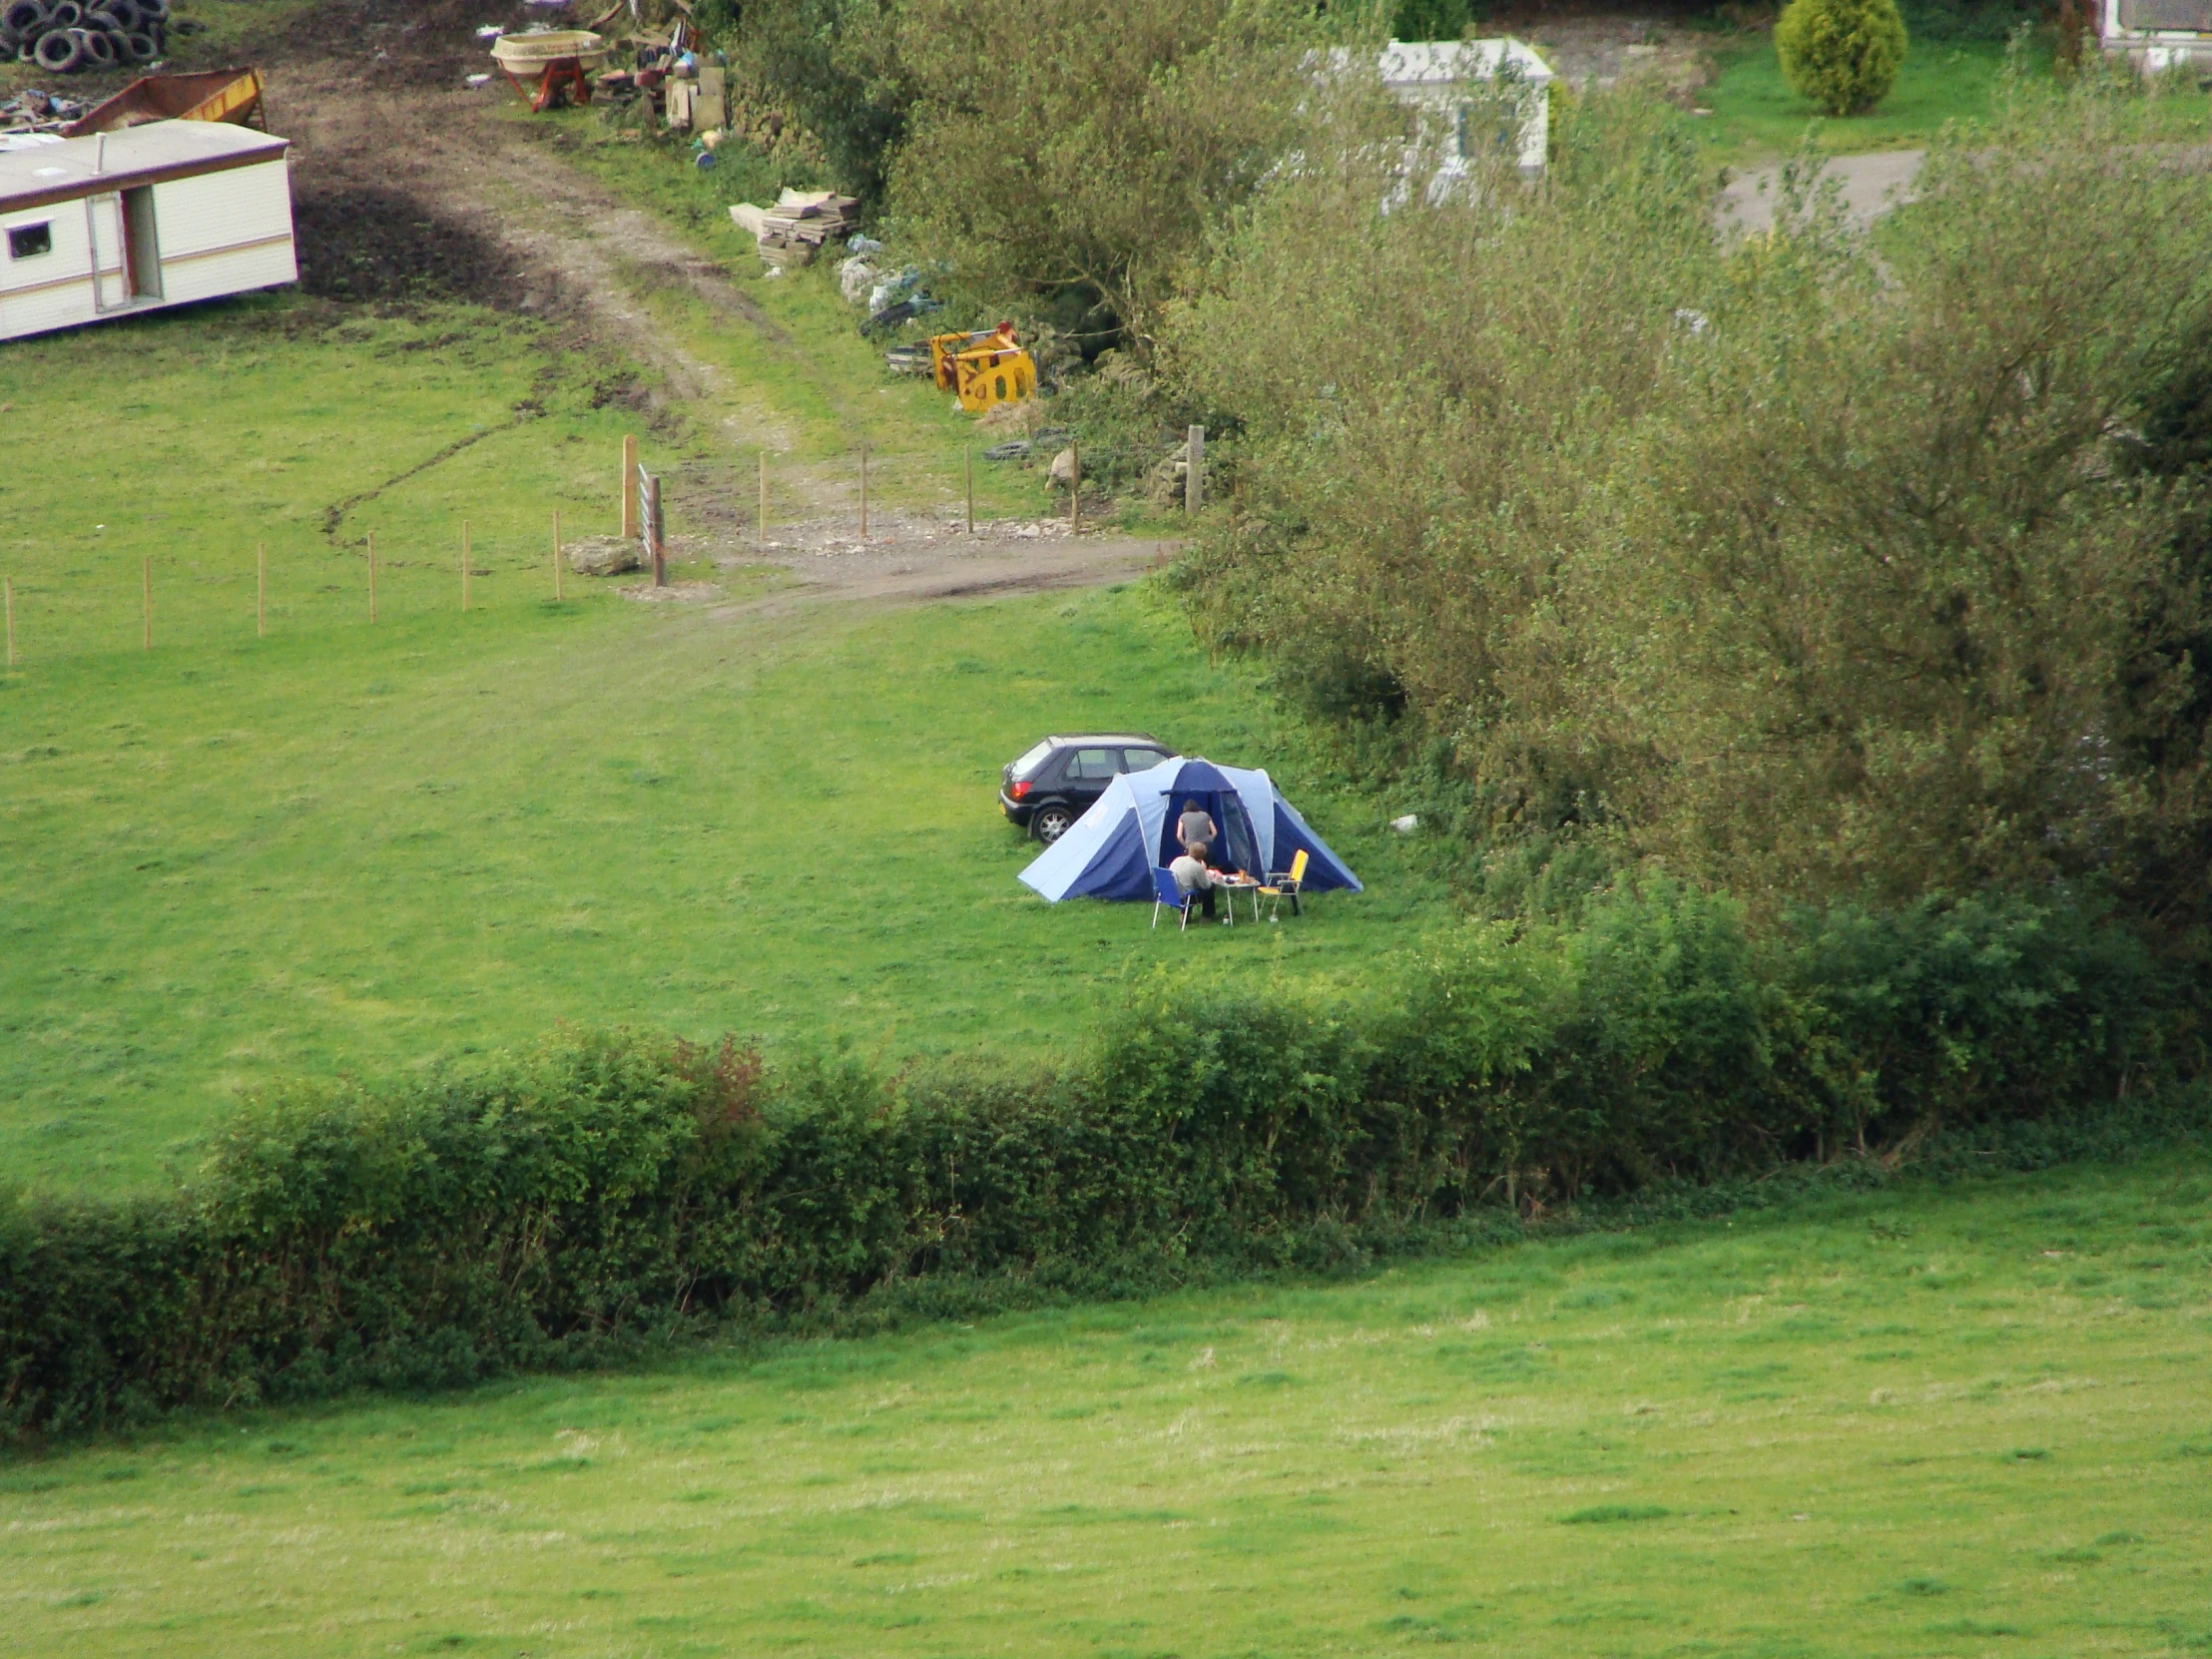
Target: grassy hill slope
column 1921, row 1423
column 354, row 848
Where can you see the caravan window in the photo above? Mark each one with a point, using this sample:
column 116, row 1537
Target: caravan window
column 25, row 240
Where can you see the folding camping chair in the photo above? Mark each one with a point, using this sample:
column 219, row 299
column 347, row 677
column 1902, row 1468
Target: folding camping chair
column 1287, row 881
column 1166, row 891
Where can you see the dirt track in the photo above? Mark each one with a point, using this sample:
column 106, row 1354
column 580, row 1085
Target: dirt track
column 409, row 186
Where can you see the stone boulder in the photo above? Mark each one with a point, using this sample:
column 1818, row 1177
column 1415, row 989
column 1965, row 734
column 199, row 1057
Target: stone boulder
column 602, row 555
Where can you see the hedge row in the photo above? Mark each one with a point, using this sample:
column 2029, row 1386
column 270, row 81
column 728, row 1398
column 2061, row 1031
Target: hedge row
column 612, row 1189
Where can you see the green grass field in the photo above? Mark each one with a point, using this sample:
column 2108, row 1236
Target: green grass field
column 1930, row 1422
column 1756, row 116
column 346, row 849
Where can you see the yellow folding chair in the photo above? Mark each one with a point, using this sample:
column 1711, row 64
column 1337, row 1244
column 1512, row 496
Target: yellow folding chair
column 1285, row 883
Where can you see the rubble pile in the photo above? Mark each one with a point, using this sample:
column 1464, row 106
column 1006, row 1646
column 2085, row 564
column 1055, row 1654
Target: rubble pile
column 34, row 109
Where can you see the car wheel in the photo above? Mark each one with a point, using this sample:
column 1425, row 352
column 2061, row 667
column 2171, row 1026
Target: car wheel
column 1051, row 823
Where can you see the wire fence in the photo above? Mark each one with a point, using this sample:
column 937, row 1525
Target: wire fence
column 478, row 561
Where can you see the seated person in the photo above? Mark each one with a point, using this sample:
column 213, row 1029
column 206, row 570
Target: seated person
column 1192, row 875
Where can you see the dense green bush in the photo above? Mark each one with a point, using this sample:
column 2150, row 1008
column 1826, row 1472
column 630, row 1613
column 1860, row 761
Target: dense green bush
column 1802, row 565
column 1841, row 54
column 1075, row 146
column 607, row 1189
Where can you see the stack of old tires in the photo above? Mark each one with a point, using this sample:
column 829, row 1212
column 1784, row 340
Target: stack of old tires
column 65, row 36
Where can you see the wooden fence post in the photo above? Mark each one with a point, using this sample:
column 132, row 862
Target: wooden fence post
column 373, row 576
column 628, row 494
column 863, row 493
column 967, row 455
column 556, row 555
column 1194, row 469
column 148, row 586
column 260, row 590
column 760, row 522
column 1075, row 490
column 464, row 564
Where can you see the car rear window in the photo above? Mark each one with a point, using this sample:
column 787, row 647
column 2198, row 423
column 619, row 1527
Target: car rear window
column 1033, row 759
column 1092, row 764
column 1137, row 760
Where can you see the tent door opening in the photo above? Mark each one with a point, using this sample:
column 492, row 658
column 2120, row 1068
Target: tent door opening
column 142, row 248
column 1241, row 849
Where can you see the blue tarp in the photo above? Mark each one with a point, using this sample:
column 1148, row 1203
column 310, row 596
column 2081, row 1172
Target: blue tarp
column 1112, row 849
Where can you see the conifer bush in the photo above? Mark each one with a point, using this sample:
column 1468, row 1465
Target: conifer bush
column 1841, row 54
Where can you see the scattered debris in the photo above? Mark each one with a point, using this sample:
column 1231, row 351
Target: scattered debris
column 66, row 37
column 34, row 109
column 983, row 368
column 1407, row 825
column 855, row 278
column 794, row 230
column 1019, row 449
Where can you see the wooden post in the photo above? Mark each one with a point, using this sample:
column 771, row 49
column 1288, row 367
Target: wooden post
column 260, row 590
column 1194, row 469
column 760, row 522
column 373, row 576
column 148, row 586
column 464, row 564
column 1075, row 490
column 968, row 454
column 9, row 584
column 863, row 493
column 556, row 555
column 628, row 494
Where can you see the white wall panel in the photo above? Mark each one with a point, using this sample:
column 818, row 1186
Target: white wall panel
column 30, row 300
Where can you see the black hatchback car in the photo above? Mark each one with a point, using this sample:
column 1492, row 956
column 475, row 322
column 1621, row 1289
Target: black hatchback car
column 1055, row 783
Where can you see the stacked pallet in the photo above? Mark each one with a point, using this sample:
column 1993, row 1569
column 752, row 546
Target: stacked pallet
column 794, row 230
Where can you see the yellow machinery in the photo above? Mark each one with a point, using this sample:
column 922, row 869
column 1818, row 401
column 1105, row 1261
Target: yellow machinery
column 983, row 368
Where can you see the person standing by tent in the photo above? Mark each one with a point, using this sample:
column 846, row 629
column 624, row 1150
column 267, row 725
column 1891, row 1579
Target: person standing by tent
column 1192, row 875
column 1195, row 830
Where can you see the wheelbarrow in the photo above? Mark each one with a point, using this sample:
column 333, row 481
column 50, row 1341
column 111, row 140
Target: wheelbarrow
column 555, row 60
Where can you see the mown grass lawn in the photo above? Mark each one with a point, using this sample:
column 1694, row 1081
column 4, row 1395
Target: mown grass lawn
column 1929, row 1421
column 1758, row 116
column 355, row 850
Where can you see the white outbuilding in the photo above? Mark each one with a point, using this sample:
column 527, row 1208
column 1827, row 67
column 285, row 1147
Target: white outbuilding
column 158, row 215
column 2157, row 35
column 1475, row 95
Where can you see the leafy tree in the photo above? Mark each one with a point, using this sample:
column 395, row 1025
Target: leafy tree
column 837, row 64
column 1435, row 19
column 1841, row 54
column 1812, row 565
column 1077, row 144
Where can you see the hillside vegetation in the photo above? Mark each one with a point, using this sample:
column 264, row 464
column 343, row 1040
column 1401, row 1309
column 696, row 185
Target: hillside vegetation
column 1922, row 1421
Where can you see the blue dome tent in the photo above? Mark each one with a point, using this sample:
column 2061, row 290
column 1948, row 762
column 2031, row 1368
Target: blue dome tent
column 1112, row 849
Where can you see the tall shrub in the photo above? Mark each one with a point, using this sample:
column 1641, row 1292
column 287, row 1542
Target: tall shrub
column 1087, row 147
column 1804, row 568
column 1841, row 54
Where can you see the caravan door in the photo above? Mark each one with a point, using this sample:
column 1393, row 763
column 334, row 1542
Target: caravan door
column 107, row 247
